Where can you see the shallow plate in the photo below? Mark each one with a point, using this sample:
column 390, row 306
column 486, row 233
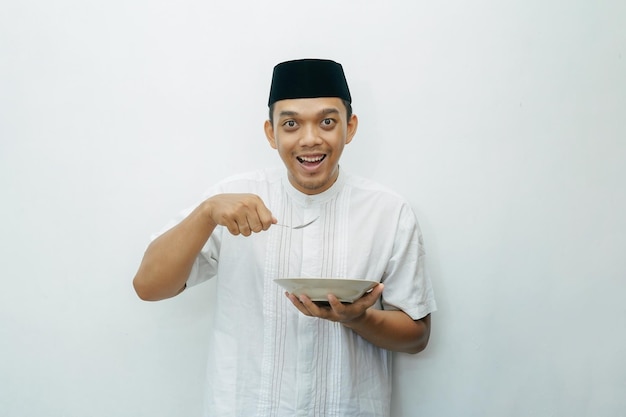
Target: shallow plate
column 317, row 289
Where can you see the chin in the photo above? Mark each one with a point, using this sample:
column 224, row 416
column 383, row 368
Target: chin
column 314, row 184
column 315, row 187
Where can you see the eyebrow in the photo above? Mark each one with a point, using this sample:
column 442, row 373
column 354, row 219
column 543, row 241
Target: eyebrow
column 323, row 112
column 287, row 113
column 328, row 111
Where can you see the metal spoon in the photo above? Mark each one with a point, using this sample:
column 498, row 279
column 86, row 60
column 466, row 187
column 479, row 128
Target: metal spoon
column 302, row 226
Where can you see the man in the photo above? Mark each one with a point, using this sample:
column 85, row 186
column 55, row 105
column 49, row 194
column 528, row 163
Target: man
column 272, row 353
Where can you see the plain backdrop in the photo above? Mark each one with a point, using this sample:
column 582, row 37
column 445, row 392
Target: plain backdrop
column 502, row 122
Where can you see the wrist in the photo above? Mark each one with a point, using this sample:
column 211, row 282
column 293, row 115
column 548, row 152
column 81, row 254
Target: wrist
column 357, row 321
column 206, row 212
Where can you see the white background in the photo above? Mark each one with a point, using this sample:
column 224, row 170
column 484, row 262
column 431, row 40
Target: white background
column 503, row 122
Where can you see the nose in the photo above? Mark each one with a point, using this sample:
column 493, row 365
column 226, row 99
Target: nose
column 310, row 136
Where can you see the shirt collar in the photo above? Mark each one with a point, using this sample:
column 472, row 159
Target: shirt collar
column 311, row 199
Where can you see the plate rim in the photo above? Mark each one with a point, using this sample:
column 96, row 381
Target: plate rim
column 371, row 284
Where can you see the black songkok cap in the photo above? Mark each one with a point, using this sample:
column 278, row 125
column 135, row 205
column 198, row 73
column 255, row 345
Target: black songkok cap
column 308, row 78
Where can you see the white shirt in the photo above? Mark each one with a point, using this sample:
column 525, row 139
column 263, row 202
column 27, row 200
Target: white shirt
column 268, row 359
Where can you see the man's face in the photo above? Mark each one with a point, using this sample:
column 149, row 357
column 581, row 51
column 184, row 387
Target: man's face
column 310, row 134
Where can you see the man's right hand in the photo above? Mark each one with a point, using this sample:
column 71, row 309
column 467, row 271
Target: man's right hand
column 170, row 257
column 240, row 213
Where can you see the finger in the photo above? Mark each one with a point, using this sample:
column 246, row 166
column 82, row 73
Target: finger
column 296, row 302
column 254, row 222
column 377, row 291
column 244, row 227
column 316, row 310
column 265, row 216
column 346, row 312
column 370, row 298
column 336, row 305
column 232, row 227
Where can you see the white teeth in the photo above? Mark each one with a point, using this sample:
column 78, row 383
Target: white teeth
column 310, row 159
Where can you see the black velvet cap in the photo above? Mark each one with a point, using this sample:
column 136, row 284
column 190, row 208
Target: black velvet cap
column 308, row 78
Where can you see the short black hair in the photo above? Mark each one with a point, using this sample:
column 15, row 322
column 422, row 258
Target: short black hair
column 346, row 103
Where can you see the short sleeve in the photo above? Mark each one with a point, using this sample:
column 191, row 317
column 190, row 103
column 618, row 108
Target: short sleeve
column 407, row 284
column 206, row 263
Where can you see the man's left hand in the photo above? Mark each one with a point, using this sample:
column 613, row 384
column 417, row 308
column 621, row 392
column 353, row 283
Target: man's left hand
column 336, row 310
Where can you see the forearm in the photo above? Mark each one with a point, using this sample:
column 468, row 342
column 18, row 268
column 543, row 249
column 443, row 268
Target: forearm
column 392, row 330
column 170, row 257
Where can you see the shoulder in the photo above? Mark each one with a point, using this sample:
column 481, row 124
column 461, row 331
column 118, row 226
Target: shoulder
column 369, row 189
column 378, row 201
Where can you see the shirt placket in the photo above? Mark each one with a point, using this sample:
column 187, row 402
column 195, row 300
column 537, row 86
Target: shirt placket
column 311, row 267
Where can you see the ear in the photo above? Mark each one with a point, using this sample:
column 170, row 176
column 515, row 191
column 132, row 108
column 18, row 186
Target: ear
column 353, row 123
column 269, row 133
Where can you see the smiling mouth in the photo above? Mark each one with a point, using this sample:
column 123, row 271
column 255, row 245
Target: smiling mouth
column 311, row 160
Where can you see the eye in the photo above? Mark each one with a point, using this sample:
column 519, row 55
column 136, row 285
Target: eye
column 290, row 124
column 328, row 122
